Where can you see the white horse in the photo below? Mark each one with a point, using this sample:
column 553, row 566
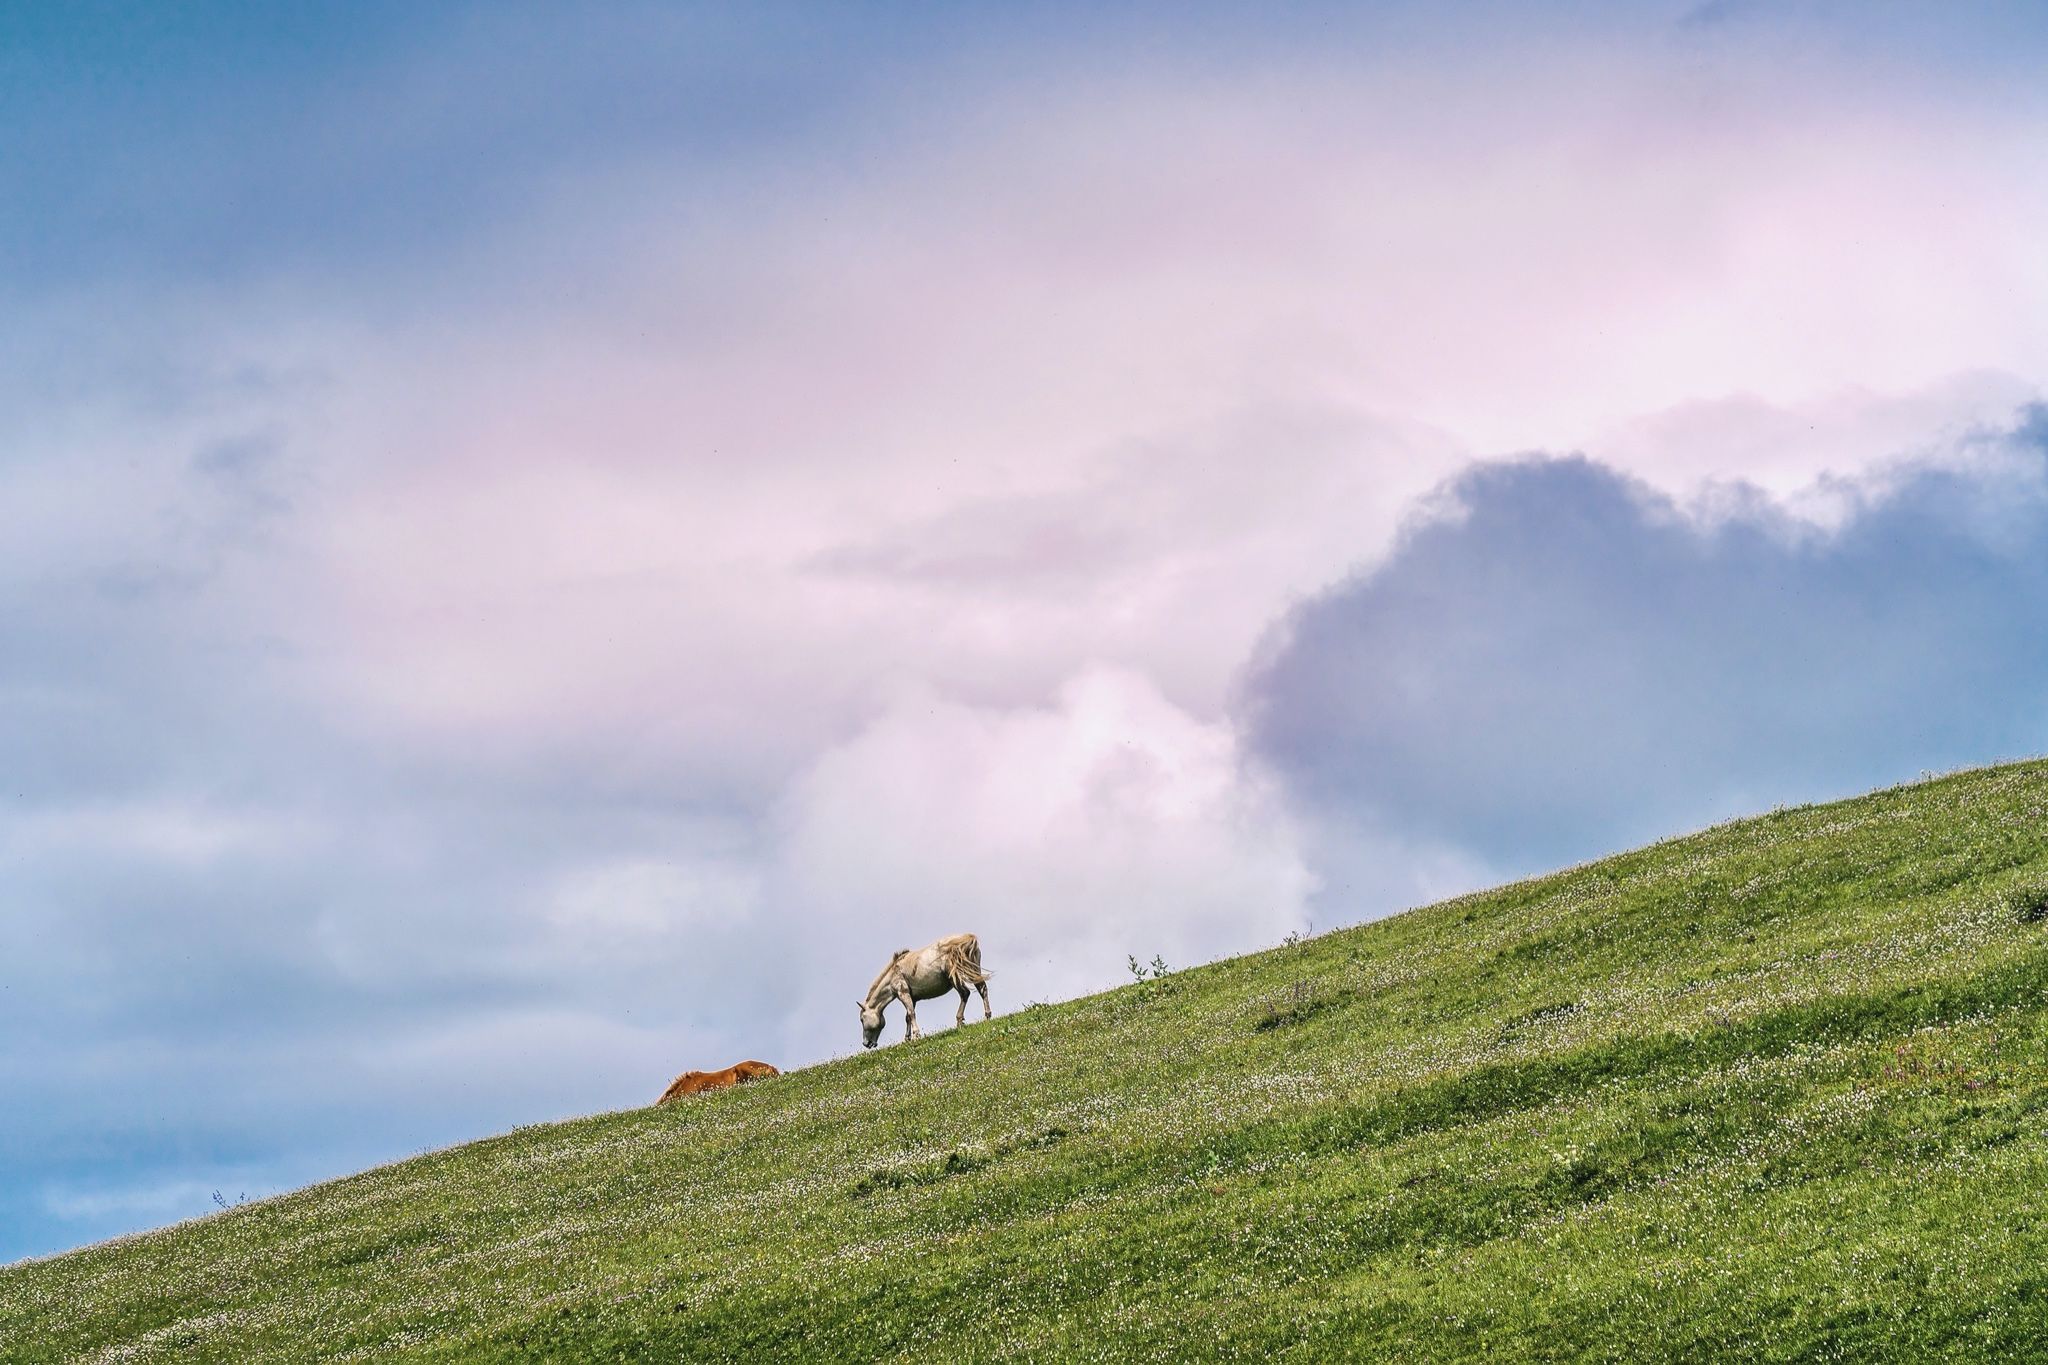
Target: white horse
column 914, row 974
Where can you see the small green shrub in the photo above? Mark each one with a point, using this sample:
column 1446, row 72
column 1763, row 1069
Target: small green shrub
column 1141, row 971
column 1297, row 1003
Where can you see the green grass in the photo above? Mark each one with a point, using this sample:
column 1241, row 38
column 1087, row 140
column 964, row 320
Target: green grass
column 1775, row 1091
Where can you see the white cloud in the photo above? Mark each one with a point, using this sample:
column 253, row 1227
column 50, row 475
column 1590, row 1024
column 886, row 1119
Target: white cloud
column 1789, row 449
column 187, row 832
column 638, row 899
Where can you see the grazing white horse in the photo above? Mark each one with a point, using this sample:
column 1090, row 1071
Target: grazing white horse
column 914, row 974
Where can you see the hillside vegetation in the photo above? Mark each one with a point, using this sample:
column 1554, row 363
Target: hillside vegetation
column 1776, row 1090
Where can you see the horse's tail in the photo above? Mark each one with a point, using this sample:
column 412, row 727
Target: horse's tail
column 963, row 960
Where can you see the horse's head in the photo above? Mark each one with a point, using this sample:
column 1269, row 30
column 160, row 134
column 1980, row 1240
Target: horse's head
column 870, row 1024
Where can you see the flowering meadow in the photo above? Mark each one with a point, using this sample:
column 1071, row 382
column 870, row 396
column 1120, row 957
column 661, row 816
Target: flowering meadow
column 1778, row 1090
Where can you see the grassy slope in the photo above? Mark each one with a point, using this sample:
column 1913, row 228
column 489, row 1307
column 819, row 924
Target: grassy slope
column 1776, row 1090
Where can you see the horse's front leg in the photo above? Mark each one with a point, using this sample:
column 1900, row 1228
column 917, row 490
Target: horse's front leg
column 909, row 1016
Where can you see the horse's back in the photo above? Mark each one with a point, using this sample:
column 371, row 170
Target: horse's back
column 689, row 1083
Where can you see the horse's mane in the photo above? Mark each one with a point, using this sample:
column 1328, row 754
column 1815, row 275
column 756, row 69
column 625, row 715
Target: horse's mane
column 894, row 958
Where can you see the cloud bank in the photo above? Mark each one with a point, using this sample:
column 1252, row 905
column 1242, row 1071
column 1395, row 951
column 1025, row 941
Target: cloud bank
column 1557, row 660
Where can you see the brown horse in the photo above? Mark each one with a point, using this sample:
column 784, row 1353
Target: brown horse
column 697, row 1082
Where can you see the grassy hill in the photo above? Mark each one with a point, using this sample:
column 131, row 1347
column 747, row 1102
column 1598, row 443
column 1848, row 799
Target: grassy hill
column 1776, row 1090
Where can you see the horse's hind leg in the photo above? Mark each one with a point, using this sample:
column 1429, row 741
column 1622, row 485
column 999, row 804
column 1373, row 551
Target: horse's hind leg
column 981, row 986
column 960, row 1015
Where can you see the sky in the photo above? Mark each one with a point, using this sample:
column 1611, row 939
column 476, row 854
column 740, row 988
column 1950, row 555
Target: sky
column 540, row 542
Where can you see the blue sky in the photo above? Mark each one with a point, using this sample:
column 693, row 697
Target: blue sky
column 539, row 542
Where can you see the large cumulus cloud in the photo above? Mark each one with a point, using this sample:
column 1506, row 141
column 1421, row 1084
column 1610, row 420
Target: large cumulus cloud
column 1556, row 660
